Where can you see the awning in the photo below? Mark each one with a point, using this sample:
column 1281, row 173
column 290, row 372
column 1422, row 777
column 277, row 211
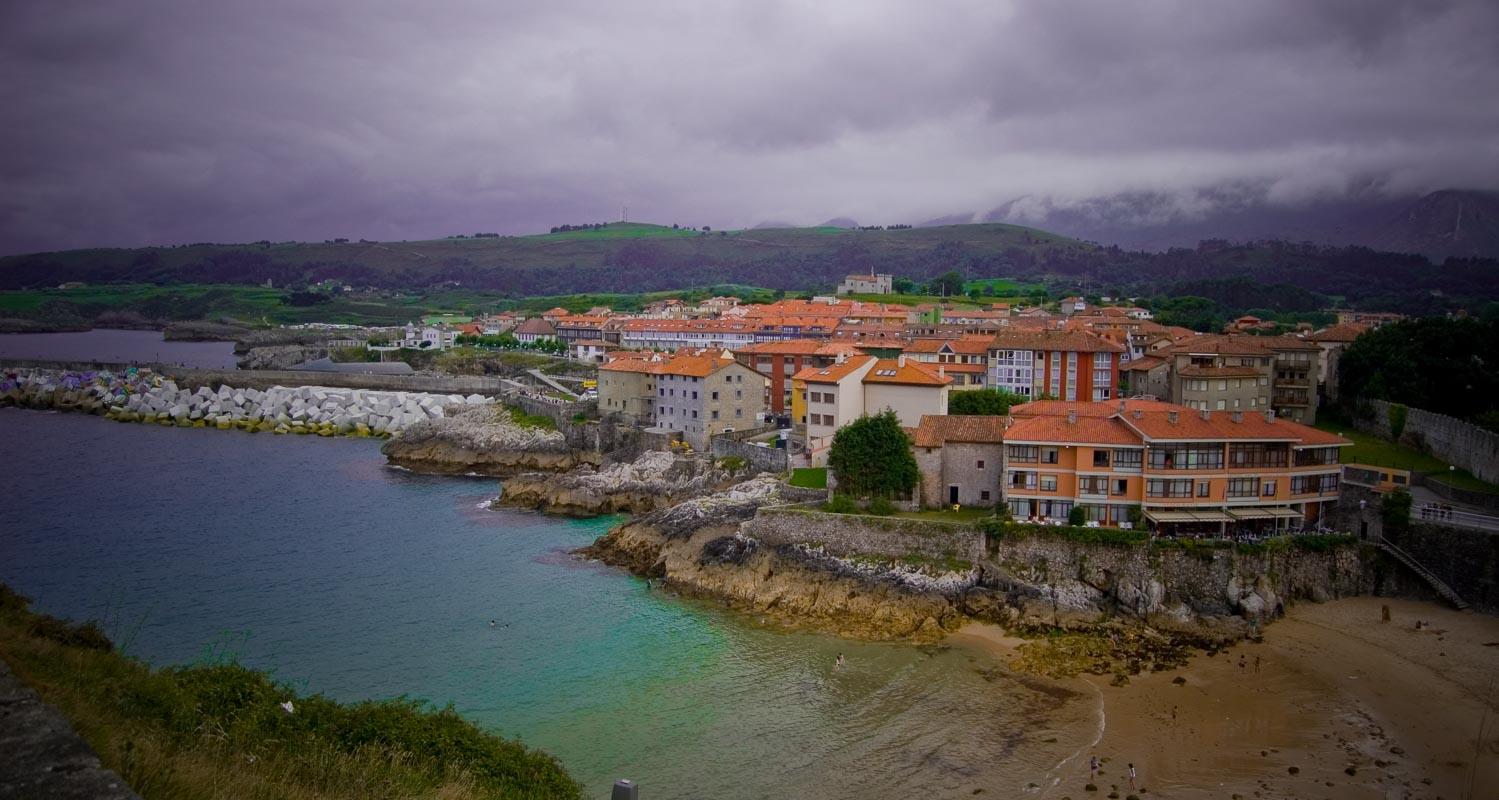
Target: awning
column 1184, row 515
column 1286, row 513
column 1251, row 513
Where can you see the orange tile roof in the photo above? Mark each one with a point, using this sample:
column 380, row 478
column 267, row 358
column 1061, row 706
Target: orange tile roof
column 911, row 373
column 1102, row 408
column 964, row 345
column 1083, row 430
column 1218, row 372
column 784, row 347
column 1346, row 332
column 832, row 373
column 935, row 430
column 697, row 366
column 1066, row 341
column 1143, row 363
column 1191, row 425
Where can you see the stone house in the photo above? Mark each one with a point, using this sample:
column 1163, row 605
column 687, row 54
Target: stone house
column 627, row 386
column 703, row 395
column 960, row 458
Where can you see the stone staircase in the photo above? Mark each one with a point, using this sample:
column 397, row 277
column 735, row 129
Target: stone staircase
column 1437, row 584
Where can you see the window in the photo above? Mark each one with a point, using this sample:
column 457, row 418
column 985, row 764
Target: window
column 1253, row 456
column 984, row 495
column 1161, row 487
column 1242, row 487
column 1316, row 455
column 1024, row 453
column 715, row 413
column 1048, row 483
column 1202, row 488
column 981, row 464
column 1092, row 484
column 1195, row 456
column 1269, row 489
column 1048, row 455
column 1101, row 458
column 1121, row 486
column 714, row 396
column 1128, row 459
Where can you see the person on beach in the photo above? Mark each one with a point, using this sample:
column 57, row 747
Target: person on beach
column 839, row 662
column 491, row 623
column 1241, row 662
column 1093, row 768
column 1256, row 665
column 1132, row 777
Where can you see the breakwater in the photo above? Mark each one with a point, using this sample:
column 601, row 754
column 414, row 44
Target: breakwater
column 141, row 395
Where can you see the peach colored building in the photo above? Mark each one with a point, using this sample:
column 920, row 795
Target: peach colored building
column 1188, row 471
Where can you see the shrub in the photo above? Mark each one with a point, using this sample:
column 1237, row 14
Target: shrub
column 1395, row 510
column 1116, row 536
column 881, row 506
column 840, row 504
column 1398, row 412
column 87, row 635
column 1077, row 516
column 733, row 464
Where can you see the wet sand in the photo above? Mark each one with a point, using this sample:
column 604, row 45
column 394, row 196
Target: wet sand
column 1336, row 690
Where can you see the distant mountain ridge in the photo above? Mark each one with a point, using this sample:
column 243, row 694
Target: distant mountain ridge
column 1442, row 224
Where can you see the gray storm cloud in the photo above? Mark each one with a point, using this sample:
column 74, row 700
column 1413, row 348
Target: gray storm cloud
column 163, row 122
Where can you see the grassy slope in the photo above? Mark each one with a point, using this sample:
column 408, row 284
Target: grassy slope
column 1370, row 449
column 218, row 731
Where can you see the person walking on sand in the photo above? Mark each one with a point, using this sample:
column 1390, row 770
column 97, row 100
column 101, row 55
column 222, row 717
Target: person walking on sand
column 839, row 662
column 1256, row 665
column 1132, row 777
column 1093, row 768
column 1241, row 662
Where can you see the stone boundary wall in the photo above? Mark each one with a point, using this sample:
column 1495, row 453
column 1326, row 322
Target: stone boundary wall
column 759, row 459
column 42, row 756
column 1448, row 438
column 850, row 534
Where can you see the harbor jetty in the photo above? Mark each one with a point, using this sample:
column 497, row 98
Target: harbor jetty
column 141, row 395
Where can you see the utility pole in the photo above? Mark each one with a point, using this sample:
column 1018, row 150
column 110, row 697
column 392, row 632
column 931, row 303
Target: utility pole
column 624, row 213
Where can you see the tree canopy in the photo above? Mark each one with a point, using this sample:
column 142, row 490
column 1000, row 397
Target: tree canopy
column 1435, row 364
column 872, row 456
column 982, row 402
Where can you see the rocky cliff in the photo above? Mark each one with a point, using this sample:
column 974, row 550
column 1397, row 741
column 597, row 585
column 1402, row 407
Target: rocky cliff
column 696, row 548
column 1129, row 605
column 653, row 481
column 482, row 440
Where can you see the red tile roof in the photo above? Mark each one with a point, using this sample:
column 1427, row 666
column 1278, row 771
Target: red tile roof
column 911, row 373
column 1065, row 341
column 935, row 430
column 832, row 373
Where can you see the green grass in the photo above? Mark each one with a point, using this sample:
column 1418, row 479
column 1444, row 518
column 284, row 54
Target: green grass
column 519, row 416
column 620, row 230
column 1375, row 451
column 810, row 477
column 218, row 729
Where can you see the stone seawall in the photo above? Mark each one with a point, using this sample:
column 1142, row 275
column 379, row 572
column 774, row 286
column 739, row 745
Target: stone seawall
column 847, row 535
column 194, row 378
column 759, row 459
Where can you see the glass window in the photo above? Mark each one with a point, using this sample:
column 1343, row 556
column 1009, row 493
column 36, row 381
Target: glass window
column 1100, row 458
column 1202, row 488
column 1242, row 487
column 1269, row 489
column 1048, row 483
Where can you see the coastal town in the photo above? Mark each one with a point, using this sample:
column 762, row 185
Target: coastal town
column 550, row 401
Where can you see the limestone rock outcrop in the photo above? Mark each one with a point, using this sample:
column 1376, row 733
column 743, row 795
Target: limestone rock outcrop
column 655, row 480
column 481, row 440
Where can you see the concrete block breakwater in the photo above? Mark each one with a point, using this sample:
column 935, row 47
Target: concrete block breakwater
column 139, row 395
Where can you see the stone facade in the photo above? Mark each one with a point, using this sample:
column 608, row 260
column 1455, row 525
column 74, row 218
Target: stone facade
column 967, row 473
column 758, row 459
column 1448, row 438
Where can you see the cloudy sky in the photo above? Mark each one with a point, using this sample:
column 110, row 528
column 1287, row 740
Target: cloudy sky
column 160, row 121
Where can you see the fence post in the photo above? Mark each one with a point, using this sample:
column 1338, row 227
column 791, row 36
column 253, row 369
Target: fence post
column 625, row 789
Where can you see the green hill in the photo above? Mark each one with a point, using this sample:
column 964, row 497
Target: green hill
column 621, row 257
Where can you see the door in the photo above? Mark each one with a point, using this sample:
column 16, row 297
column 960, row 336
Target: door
column 952, row 495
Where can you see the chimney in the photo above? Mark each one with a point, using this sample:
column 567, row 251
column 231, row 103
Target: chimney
column 942, row 371
column 838, row 359
column 1121, row 405
column 1072, row 417
column 1206, row 414
column 1139, row 414
column 1270, row 415
column 1237, row 416
column 900, row 360
column 1171, row 417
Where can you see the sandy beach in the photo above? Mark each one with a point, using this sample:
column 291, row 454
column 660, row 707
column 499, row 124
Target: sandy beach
column 1333, row 703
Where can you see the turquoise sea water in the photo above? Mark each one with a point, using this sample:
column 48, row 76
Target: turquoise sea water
column 311, row 558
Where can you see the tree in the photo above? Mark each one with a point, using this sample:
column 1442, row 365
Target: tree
column 903, row 285
column 872, row 456
column 948, row 283
column 976, row 402
column 1077, row 516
